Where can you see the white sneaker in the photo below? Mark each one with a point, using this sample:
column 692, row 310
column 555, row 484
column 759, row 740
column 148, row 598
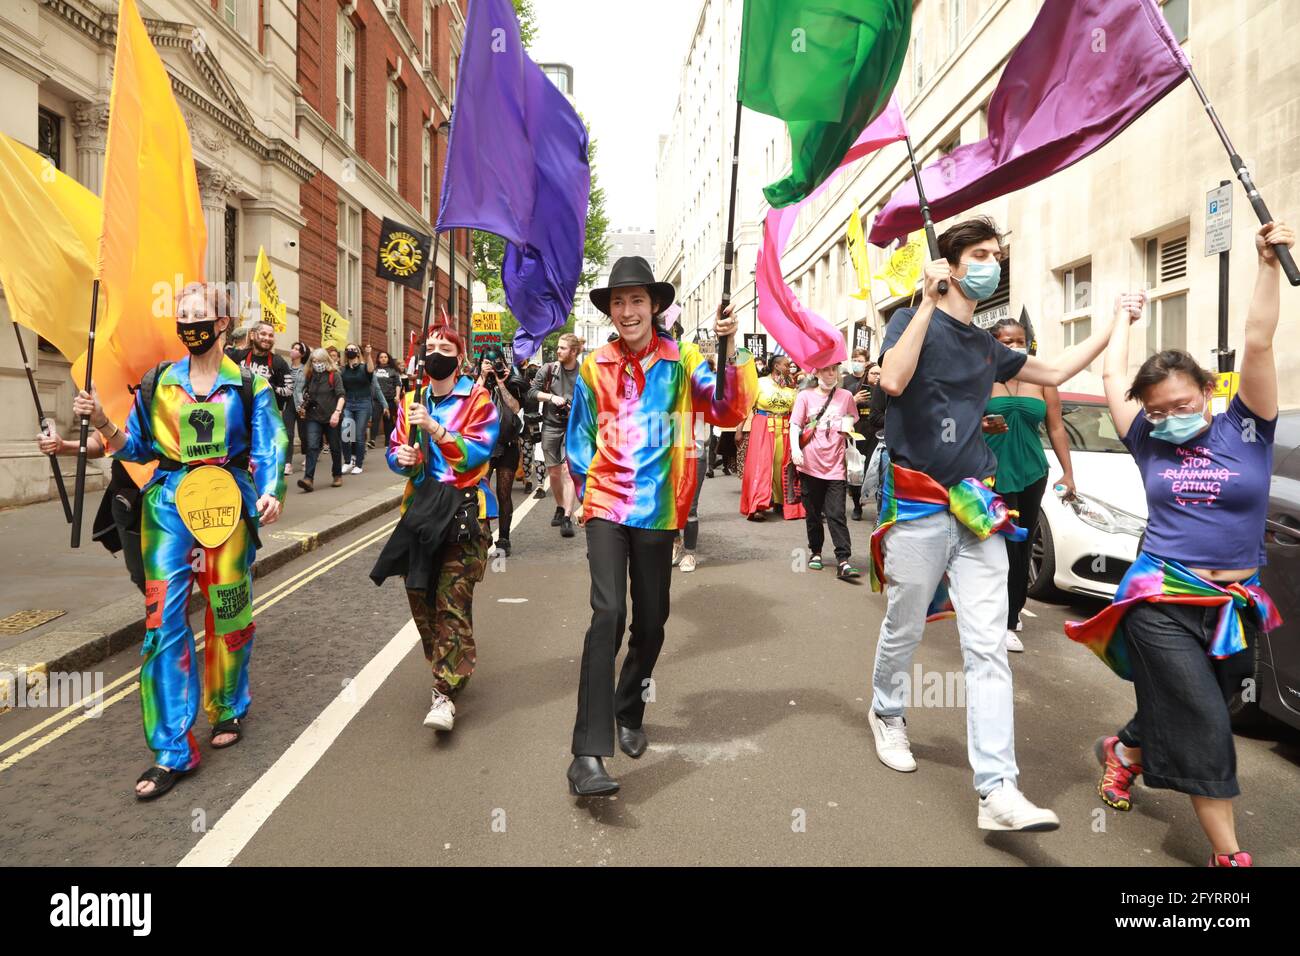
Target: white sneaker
column 687, row 563
column 1020, row 624
column 1006, row 808
column 677, row 552
column 288, row 468
column 891, row 742
column 1014, row 643
column 356, row 469
column 442, row 714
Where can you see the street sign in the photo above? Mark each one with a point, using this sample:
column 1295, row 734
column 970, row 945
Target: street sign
column 1218, row 220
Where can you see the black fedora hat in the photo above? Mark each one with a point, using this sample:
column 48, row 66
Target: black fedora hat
column 633, row 271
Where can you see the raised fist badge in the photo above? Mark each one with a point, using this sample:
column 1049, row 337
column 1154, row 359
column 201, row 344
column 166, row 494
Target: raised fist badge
column 203, row 421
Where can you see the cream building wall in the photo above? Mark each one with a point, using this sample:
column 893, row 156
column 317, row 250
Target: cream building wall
column 1150, row 182
column 239, row 104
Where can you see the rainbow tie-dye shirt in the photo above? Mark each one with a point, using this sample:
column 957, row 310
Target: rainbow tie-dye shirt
column 215, row 436
column 464, row 458
column 631, row 450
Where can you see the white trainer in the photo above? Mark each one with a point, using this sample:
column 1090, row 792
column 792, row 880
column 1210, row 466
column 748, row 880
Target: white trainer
column 891, row 742
column 687, row 563
column 1014, row 644
column 678, row 550
column 1006, row 808
column 288, row 468
column 356, row 469
column 442, row 715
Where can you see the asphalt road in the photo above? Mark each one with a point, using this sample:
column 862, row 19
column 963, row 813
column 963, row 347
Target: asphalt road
column 760, row 752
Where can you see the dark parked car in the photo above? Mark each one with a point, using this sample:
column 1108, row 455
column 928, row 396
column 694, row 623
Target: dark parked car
column 1278, row 664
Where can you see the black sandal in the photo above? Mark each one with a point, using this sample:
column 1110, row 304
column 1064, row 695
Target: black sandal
column 162, row 778
column 231, row 726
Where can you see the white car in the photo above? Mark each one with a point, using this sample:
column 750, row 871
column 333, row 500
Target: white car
column 1084, row 545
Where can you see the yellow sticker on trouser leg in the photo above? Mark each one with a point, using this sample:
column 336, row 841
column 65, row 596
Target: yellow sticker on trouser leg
column 210, row 504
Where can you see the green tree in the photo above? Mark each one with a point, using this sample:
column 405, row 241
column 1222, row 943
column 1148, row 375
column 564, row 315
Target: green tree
column 527, row 21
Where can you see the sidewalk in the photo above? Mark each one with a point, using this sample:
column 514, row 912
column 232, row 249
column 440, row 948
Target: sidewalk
column 103, row 611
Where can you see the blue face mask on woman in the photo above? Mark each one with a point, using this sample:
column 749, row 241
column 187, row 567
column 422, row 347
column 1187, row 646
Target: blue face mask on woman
column 1180, row 428
column 981, row 279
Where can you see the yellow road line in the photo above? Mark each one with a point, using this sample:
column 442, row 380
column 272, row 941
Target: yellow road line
column 273, row 596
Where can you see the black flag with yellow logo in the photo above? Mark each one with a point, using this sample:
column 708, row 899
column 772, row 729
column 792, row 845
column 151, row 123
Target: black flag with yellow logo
column 403, row 254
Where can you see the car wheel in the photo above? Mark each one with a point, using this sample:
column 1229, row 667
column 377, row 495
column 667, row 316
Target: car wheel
column 1042, row 564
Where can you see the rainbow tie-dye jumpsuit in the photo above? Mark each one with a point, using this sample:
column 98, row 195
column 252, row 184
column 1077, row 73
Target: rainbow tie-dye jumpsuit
column 214, row 435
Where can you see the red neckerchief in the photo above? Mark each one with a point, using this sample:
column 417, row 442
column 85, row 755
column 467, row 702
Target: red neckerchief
column 632, row 363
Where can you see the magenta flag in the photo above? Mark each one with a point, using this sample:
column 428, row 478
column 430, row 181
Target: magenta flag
column 809, row 339
column 1085, row 70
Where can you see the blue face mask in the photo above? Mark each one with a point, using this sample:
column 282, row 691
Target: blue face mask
column 981, row 279
column 1179, row 429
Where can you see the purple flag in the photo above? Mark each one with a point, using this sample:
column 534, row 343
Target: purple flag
column 517, row 167
column 1085, row 70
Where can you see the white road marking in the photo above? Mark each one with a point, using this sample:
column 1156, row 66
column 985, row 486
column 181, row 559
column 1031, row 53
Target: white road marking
column 512, row 600
column 1028, row 613
column 225, row 841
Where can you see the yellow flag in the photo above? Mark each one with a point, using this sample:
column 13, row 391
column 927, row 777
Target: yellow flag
column 333, row 329
column 903, row 270
column 268, row 294
column 153, row 237
column 857, row 243
column 49, row 231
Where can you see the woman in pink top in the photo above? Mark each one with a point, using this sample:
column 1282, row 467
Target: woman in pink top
column 823, row 418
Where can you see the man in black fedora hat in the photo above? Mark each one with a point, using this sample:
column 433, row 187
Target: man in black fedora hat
column 632, row 457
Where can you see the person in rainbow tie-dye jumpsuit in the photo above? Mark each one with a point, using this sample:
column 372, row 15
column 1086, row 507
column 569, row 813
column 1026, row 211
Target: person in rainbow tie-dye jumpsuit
column 631, row 444
column 196, row 418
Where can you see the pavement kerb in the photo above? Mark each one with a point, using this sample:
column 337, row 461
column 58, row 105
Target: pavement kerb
column 120, row 625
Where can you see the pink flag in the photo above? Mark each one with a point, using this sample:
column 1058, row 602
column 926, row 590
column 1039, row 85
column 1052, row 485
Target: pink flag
column 1084, row 72
column 805, row 336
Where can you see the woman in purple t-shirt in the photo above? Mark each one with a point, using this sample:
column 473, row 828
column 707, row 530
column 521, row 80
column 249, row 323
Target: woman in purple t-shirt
column 1185, row 617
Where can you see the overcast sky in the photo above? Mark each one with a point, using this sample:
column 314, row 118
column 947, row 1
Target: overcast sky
column 626, row 57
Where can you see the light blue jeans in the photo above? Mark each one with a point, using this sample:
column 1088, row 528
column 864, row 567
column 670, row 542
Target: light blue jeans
column 917, row 554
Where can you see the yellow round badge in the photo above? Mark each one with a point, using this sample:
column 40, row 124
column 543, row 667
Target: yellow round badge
column 210, row 504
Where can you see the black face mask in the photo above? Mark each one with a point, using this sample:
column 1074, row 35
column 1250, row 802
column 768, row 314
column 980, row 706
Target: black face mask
column 199, row 336
column 439, row 366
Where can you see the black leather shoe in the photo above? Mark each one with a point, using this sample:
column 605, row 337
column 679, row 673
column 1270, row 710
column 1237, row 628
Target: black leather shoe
column 632, row 741
column 587, row 778
column 566, row 527
column 558, row 518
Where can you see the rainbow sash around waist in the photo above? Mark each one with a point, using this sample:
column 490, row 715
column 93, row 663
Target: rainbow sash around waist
column 906, row 495
column 1168, row 582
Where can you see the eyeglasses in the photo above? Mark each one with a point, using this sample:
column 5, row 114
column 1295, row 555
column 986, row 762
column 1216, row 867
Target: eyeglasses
column 1187, row 408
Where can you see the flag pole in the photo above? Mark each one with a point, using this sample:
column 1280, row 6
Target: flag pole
column 41, row 420
column 1248, row 184
column 431, row 293
column 930, row 239
column 79, row 488
column 729, row 258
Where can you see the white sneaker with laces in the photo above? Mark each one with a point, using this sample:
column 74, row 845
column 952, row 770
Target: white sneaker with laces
column 891, row 742
column 688, row 563
column 1014, row 643
column 677, row 552
column 356, row 469
column 1006, row 808
column 442, row 715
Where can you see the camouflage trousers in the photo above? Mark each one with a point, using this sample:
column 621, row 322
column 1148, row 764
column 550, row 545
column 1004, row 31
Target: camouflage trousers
column 446, row 620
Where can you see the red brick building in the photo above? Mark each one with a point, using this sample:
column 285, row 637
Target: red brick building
column 377, row 80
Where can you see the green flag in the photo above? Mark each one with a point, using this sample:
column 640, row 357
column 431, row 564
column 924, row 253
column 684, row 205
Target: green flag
column 826, row 67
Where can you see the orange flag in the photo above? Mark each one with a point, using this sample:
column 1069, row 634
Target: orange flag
column 153, row 237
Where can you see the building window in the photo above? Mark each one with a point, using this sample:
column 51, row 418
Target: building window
column 232, row 247
column 230, row 12
column 918, row 65
column 1165, row 261
column 394, row 125
column 426, row 174
column 956, row 23
column 347, row 80
column 1076, row 317
column 49, row 136
column 1176, row 13
column 426, row 46
column 455, row 68
column 561, row 75
column 349, row 261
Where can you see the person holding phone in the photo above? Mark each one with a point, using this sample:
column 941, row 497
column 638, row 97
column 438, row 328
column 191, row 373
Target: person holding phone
column 1015, row 412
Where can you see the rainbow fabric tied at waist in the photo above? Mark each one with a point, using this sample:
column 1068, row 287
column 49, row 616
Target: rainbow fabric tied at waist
column 906, row 495
column 1168, row 582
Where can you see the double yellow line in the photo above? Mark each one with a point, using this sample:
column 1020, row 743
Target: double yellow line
column 267, row 601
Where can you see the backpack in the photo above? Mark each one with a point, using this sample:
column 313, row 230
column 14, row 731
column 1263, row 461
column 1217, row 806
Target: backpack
column 144, row 393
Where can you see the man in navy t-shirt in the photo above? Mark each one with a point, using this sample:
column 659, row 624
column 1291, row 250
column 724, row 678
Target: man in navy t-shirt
column 939, row 370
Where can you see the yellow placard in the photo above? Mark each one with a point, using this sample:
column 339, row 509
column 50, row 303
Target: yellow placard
column 333, row 328
column 857, row 245
column 486, row 322
column 210, row 504
column 268, row 294
column 1225, row 387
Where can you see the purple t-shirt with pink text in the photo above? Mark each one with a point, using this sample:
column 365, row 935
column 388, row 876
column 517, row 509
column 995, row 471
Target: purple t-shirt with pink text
column 1207, row 499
